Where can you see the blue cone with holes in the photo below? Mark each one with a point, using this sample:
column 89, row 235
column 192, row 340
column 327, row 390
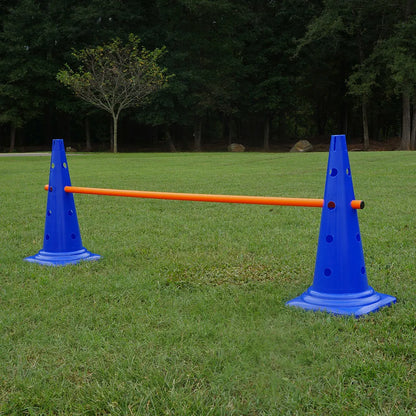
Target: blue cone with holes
column 340, row 282
column 62, row 242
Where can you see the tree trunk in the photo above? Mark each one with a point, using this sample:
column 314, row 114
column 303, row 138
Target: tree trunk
column 87, row 134
column 65, row 120
column 198, row 134
column 114, row 131
column 405, row 142
column 169, row 139
column 413, row 134
column 345, row 122
column 112, row 135
column 408, row 122
column 266, row 134
column 232, row 131
column 12, row 138
column 364, row 99
column 115, row 135
column 48, row 122
column 365, row 124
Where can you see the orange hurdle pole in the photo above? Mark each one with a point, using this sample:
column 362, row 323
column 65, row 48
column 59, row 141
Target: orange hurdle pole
column 236, row 199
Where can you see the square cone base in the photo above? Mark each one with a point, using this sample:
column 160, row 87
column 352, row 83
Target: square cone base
column 61, row 259
column 355, row 304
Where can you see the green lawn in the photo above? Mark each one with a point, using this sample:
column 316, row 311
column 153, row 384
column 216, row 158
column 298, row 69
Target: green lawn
column 185, row 314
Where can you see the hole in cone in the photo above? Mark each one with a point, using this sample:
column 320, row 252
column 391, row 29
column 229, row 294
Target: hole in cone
column 331, row 205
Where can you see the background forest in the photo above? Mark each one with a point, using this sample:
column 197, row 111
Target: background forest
column 260, row 73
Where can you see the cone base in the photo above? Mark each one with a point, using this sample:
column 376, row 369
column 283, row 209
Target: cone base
column 61, row 259
column 355, row 304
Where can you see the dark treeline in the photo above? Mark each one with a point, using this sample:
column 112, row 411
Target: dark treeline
column 253, row 72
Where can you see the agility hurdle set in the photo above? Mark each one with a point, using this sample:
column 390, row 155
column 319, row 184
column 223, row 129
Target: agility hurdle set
column 340, row 284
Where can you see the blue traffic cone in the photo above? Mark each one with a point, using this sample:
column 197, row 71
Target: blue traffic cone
column 340, row 281
column 62, row 240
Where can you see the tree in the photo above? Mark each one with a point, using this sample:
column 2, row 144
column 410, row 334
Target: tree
column 271, row 73
column 352, row 30
column 361, row 84
column 400, row 58
column 115, row 76
column 205, row 40
column 24, row 66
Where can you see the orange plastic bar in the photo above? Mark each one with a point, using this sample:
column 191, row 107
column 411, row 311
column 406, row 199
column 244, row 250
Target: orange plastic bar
column 236, row 199
column 357, row 204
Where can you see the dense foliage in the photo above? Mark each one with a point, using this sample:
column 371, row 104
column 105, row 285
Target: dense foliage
column 254, row 72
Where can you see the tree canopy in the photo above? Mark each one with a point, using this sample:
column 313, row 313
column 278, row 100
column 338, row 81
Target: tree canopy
column 253, row 72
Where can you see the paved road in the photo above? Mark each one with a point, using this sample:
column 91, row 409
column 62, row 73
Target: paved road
column 25, row 154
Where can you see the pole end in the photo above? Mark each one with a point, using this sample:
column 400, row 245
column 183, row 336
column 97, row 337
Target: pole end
column 357, row 204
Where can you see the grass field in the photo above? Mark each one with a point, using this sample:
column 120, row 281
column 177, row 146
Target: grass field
column 185, row 314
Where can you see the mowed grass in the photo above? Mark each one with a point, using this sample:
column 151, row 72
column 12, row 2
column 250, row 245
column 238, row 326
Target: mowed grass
column 185, row 313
